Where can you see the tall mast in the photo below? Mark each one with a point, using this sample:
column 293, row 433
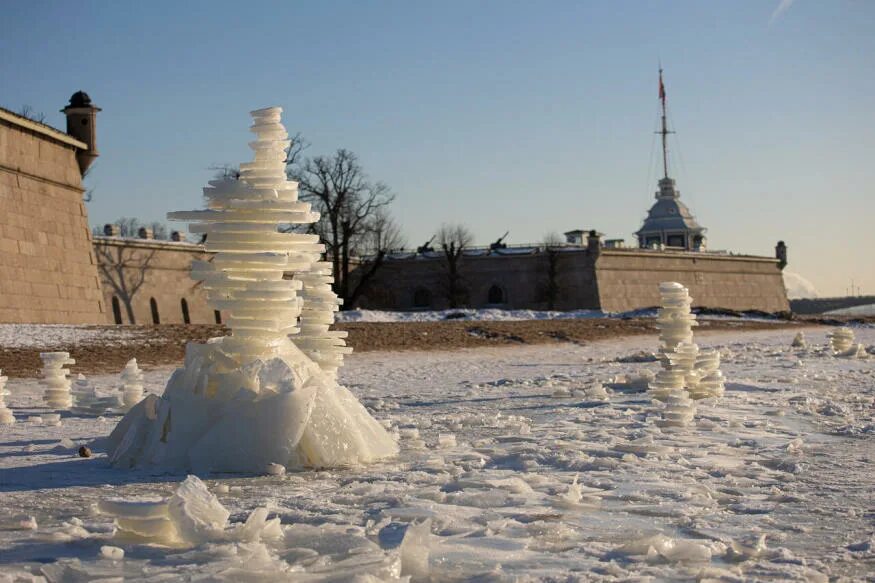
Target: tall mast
column 664, row 130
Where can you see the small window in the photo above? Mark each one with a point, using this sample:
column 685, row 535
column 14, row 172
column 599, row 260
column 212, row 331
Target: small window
column 185, row 317
column 421, row 298
column 156, row 319
column 116, row 310
column 496, row 295
column 218, row 315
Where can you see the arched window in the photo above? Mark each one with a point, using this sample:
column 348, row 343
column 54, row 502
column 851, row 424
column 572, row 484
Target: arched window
column 185, row 317
column 156, row 319
column 421, row 298
column 116, row 310
column 496, row 295
column 218, row 315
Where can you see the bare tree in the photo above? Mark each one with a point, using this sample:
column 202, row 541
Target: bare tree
column 123, row 269
column 31, row 114
column 454, row 239
column 550, row 288
column 347, row 201
column 381, row 236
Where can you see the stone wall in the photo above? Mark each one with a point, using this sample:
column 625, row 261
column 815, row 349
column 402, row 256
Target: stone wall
column 521, row 278
column 610, row 280
column 48, row 272
column 139, row 273
column 629, row 279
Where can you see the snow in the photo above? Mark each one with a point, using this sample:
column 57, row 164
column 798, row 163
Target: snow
column 66, row 336
column 486, row 314
column 496, row 479
column 859, row 311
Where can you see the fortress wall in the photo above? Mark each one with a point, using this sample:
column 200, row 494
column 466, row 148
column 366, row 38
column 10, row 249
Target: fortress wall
column 48, row 272
column 523, row 278
column 163, row 267
column 629, row 279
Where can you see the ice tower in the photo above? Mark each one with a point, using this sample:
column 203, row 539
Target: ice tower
column 255, row 398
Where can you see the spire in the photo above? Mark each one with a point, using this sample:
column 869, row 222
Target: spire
column 664, row 131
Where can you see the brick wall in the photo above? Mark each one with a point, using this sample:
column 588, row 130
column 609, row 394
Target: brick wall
column 47, row 266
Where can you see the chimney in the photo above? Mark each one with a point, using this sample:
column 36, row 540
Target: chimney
column 781, row 254
column 81, row 118
column 145, row 233
column 110, row 230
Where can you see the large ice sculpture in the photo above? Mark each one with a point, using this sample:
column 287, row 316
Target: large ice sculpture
column 254, row 398
column 56, row 379
column 6, row 416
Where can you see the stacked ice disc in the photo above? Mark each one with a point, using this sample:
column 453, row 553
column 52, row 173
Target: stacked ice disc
column 666, row 383
column 141, row 519
column 799, row 340
column 56, row 380
column 324, row 346
column 86, row 401
column 674, row 320
column 679, row 410
column 684, row 357
column 242, row 225
column 707, row 380
column 6, row 416
column 132, row 384
column 841, row 340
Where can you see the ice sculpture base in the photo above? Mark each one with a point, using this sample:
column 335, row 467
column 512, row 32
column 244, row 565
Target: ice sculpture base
column 224, row 413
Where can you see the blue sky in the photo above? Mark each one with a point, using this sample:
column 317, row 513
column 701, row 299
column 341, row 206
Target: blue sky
column 532, row 117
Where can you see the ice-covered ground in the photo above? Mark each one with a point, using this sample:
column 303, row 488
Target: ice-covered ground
column 774, row 482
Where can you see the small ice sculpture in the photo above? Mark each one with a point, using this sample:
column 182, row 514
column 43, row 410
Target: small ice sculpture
column 799, row 340
column 841, row 340
column 6, row 416
column 841, row 343
column 679, row 410
column 255, row 398
column 86, row 400
column 132, row 385
column 325, row 347
column 674, row 320
column 56, row 379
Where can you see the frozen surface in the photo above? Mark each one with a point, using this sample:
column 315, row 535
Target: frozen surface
column 501, row 479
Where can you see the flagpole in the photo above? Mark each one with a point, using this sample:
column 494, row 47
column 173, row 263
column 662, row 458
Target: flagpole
column 664, row 131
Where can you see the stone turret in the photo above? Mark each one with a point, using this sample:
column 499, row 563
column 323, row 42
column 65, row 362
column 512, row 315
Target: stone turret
column 81, row 124
column 781, row 254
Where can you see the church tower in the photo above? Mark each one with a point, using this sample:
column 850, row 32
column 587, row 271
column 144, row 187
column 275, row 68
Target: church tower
column 669, row 222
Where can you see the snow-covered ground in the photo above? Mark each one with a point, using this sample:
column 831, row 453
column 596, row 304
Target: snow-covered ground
column 774, row 482
column 485, row 314
column 494, row 314
column 864, row 310
column 65, row 336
